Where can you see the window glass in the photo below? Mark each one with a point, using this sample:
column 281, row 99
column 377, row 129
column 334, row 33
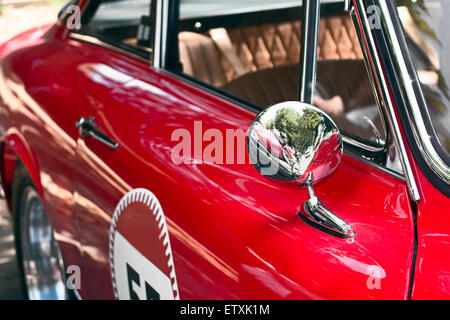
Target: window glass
column 343, row 88
column 251, row 50
column 128, row 24
column 427, row 26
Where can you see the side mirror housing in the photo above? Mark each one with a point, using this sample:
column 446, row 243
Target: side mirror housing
column 291, row 140
column 294, row 141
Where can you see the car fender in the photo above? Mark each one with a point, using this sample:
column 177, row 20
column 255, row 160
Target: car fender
column 15, row 144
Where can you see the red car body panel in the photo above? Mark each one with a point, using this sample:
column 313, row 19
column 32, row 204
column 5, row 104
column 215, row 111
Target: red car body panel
column 234, row 233
column 432, row 269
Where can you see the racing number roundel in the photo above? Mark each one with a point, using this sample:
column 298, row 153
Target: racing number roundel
column 139, row 250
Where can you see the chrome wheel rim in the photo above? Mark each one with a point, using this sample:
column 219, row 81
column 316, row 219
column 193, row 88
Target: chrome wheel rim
column 41, row 257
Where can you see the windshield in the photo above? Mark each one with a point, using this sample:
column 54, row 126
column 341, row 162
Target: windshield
column 427, row 30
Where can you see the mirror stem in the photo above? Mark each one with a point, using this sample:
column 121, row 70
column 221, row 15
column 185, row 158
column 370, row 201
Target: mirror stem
column 313, row 200
column 316, row 214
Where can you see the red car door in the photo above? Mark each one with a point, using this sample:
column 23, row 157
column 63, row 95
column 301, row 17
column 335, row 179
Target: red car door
column 235, row 234
column 157, row 226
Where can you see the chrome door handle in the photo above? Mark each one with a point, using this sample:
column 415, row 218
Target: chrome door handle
column 88, row 128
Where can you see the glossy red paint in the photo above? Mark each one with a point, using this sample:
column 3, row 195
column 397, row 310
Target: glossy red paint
column 432, row 267
column 234, row 233
column 328, row 158
column 236, row 241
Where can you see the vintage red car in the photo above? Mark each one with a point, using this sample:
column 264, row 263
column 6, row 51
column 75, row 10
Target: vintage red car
column 124, row 156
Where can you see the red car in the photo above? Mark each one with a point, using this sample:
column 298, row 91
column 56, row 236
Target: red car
column 124, row 161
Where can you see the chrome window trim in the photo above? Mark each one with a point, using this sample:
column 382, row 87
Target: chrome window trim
column 164, row 35
column 375, row 88
column 360, row 144
column 421, row 134
column 387, row 105
column 347, row 5
column 308, row 72
column 159, row 27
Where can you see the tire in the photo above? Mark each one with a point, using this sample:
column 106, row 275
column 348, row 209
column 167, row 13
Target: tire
column 39, row 258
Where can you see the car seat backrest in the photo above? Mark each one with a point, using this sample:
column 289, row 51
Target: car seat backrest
column 200, row 58
column 265, row 46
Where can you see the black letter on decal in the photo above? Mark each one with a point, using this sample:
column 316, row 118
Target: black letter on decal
column 151, row 293
column 133, row 276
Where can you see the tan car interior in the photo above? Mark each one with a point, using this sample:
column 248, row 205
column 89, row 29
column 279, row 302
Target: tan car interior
column 260, row 64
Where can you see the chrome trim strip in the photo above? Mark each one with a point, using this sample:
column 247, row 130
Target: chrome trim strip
column 308, row 52
column 97, row 42
column 347, row 5
column 158, row 33
column 376, row 89
column 388, row 105
column 349, row 140
column 164, row 20
column 419, row 129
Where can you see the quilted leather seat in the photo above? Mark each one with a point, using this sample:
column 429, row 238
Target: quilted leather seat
column 200, row 58
column 270, row 45
column 265, row 46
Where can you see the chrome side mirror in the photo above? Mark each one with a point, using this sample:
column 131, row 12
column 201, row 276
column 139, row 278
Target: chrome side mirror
column 294, row 141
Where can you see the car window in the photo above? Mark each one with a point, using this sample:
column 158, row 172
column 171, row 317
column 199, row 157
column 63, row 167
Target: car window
column 343, row 88
column 127, row 24
column 251, row 50
column 426, row 26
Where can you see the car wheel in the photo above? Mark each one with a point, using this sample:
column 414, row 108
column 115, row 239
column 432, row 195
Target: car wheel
column 39, row 257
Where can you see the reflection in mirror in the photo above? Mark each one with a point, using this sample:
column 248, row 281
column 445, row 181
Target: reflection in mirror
column 297, row 142
column 291, row 139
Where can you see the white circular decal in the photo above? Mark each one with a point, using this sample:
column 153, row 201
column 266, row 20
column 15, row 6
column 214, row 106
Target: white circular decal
column 139, row 250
